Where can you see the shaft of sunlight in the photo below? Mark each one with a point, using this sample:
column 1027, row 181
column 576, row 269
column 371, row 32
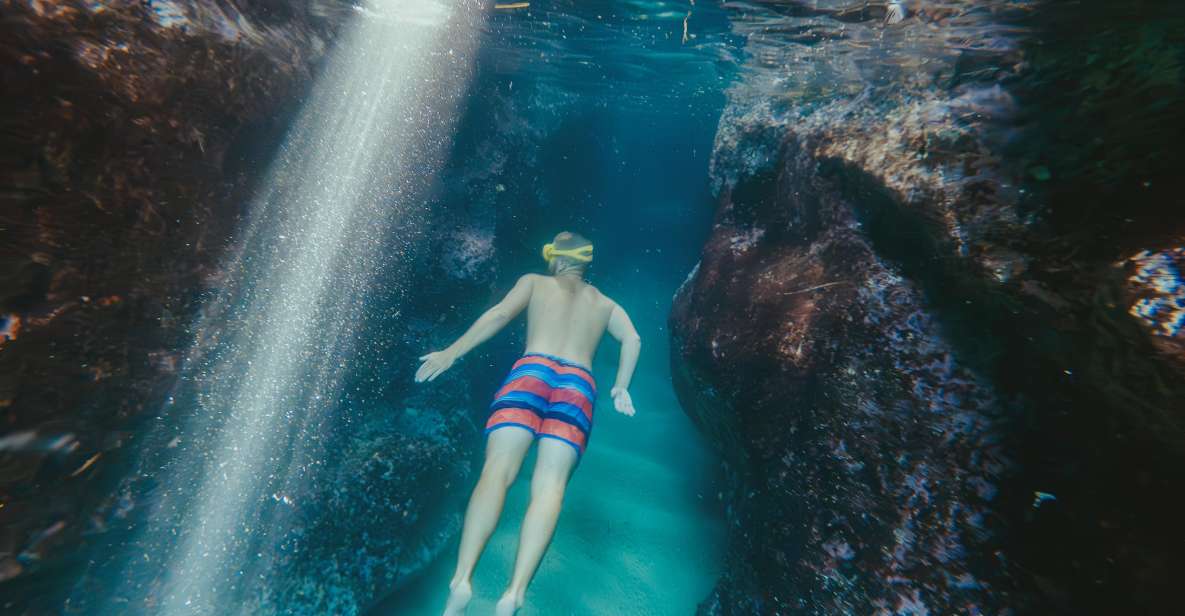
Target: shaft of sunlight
column 339, row 203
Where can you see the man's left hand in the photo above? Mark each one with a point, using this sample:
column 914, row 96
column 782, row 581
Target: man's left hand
column 622, row 401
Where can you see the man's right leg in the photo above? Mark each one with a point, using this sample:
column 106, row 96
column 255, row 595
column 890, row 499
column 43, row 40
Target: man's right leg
column 505, row 449
column 553, row 467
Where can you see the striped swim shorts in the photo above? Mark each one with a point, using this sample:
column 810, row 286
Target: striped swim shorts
column 550, row 396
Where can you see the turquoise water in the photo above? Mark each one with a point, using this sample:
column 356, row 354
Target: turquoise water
column 641, row 532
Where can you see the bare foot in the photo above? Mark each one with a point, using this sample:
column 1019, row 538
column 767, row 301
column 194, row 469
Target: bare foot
column 458, row 598
column 508, row 605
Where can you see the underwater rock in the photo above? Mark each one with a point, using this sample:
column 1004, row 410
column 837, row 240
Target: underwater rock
column 391, row 510
column 867, row 457
column 125, row 159
column 469, row 255
column 935, row 329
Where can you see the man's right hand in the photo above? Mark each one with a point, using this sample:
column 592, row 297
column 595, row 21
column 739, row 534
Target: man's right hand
column 434, row 365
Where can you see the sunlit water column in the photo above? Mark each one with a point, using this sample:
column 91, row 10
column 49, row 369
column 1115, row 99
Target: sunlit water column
column 339, row 204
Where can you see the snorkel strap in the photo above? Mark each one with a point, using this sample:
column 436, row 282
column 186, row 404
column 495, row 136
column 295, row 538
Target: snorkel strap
column 584, row 254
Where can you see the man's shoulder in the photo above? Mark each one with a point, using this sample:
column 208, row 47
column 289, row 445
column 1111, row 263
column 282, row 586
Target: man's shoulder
column 536, row 283
column 603, row 299
column 530, row 278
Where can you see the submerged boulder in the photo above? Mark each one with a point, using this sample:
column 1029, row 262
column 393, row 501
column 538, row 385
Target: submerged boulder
column 935, row 330
column 868, row 458
column 392, row 506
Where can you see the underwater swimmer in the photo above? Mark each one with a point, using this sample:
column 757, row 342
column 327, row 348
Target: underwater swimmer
column 548, row 395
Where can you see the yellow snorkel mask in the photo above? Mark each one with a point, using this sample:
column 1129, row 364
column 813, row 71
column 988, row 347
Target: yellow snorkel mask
column 584, row 254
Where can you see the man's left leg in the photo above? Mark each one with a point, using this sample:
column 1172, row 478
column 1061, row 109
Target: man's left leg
column 553, row 466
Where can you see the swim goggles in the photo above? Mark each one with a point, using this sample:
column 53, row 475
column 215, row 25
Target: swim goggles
column 584, row 254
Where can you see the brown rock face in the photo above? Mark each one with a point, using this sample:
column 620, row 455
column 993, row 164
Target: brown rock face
column 937, row 328
column 129, row 141
column 868, row 457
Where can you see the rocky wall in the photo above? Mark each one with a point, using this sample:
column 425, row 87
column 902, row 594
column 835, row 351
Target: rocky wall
column 132, row 133
column 935, row 330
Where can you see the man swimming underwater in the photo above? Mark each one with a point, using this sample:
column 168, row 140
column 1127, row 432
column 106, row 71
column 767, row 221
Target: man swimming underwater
column 548, row 395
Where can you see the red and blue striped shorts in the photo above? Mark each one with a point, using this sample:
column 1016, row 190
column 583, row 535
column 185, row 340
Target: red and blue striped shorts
column 550, row 396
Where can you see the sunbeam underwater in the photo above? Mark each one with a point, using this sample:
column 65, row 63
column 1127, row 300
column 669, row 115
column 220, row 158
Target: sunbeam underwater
column 264, row 375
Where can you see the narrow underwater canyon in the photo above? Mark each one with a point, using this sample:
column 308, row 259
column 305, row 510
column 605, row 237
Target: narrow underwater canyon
column 932, row 345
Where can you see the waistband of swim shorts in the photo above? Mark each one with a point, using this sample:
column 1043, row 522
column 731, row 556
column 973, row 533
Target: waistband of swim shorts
column 561, row 361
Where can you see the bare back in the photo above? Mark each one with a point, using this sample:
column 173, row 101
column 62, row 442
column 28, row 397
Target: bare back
column 566, row 318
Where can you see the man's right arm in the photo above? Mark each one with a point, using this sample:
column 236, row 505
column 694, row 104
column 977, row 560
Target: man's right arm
column 621, row 328
column 488, row 324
